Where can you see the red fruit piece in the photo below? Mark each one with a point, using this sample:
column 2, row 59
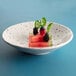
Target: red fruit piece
column 35, row 38
column 39, row 44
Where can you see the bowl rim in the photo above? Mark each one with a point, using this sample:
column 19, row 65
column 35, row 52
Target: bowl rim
column 40, row 48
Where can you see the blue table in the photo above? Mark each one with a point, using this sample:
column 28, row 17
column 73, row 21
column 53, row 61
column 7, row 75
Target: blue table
column 59, row 63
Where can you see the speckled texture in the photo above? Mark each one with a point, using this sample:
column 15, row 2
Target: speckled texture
column 18, row 34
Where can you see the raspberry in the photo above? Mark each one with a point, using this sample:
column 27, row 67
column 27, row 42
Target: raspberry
column 42, row 31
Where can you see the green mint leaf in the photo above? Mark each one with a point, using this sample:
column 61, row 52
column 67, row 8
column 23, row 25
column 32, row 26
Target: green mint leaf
column 43, row 21
column 49, row 27
column 37, row 23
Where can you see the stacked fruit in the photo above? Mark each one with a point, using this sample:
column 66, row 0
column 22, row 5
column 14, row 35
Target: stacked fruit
column 40, row 36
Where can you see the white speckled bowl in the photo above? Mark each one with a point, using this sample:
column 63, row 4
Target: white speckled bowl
column 17, row 36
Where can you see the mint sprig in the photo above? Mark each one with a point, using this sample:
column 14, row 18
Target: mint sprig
column 49, row 27
column 37, row 24
column 43, row 21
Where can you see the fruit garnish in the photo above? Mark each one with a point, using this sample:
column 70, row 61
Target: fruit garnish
column 42, row 24
column 36, row 26
column 46, row 37
column 41, row 36
column 42, row 31
column 39, row 24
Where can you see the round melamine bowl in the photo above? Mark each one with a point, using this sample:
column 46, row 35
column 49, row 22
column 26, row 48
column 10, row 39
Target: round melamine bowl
column 17, row 36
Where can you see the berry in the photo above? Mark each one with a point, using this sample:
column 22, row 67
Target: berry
column 42, row 31
column 46, row 37
column 35, row 30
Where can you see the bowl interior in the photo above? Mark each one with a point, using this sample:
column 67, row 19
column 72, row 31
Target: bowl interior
column 18, row 34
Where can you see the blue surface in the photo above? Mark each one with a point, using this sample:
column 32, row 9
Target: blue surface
column 59, row 63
